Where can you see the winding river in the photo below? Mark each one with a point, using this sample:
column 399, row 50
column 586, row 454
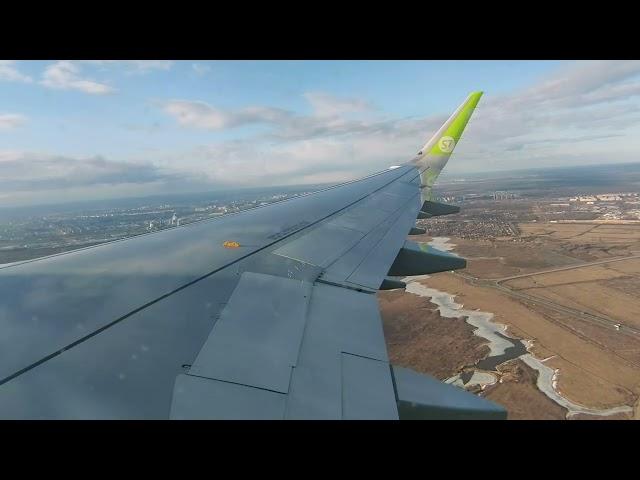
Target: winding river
column 502, row 346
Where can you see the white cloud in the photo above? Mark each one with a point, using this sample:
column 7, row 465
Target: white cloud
column 197, row 114
column 584, row 108
column 10, row 73
column 65, row 75
column 11, row 120
column 37, row 177
column 20, row 170
column 133, row 66
column 144, row 66
column 328, row 117
column 577, row 81
column 327, row 105
column 202, row 115
column 580, row 110
column 312, row 160
column 200, row 68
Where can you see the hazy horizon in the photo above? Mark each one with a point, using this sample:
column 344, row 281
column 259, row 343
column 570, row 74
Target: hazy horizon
column 603, row 176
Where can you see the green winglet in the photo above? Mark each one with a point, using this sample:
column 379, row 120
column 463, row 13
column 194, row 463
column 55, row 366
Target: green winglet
column 449, row 138
column 433, row 156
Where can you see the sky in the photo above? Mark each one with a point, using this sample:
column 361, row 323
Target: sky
column 85, row 130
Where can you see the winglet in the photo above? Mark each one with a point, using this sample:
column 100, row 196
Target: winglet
column 433, row 156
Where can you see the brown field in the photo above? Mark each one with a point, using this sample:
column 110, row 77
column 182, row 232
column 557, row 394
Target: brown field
column 617, row 416
column 606, row 289
column 587, row 242
column 574, row 381
column 418, row 338
column 490, row 268
column 543, row 246
column 631, row 266
column 498, row 258
column 519, row 393
column 626, row 347
column 624, row 285
column 593, row 297
column 603, row 235
column 554, row 230
column 565, row 277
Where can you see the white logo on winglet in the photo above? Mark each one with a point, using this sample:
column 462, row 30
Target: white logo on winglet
column 446, row 144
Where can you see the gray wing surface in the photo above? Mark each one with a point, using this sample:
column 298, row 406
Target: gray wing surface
column 174, row 324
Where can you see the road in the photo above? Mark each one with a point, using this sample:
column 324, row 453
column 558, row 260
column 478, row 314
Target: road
column 600, row 320
column 569, row 267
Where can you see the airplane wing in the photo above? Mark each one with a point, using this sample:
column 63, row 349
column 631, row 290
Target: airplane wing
column 270, row 313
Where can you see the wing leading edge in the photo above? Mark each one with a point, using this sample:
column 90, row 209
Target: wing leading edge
column 284, row 326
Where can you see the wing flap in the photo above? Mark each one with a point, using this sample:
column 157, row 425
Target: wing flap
column 196, row 398
column 340, row 322
column 320, row 350
column 367, row 389
column 256, row 342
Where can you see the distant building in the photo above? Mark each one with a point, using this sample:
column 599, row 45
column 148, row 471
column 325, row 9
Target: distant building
column 587, row 198
column 609, row 198
column 503, row 195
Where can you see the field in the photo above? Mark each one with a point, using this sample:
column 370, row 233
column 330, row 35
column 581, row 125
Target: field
column 569, row 269
column 586, row 241
column 607, row 289
column 518, row 390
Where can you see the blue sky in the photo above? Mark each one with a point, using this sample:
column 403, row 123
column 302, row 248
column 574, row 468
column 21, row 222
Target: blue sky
column 73, row 130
